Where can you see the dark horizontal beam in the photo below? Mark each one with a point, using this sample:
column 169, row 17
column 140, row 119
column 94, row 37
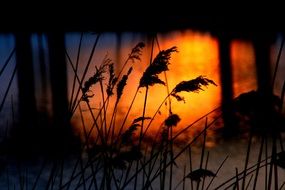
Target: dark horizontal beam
column 91, row 19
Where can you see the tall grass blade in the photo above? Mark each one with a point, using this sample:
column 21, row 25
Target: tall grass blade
column 277, row 62
column 249, row 182
column 7, row 61
column 76, row 69
column 206, row 165
column 39, row 174
column 221, row 165
column 237, row 180
column 8, row 88
column 247, row 159
column 85, row 71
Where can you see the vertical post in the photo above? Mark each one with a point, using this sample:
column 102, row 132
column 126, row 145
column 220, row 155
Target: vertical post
column 262, row 57
column 265, row 116
column 227, row 89
column 265, row 89
column 27, row 101
column 58, row 79
column 43, row 72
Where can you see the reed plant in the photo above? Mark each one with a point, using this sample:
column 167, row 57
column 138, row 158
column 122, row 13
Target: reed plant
column 120, row 154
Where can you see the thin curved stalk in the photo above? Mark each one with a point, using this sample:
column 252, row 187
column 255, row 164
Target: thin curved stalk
column 221, row 165
column 206, row 165
column 7, row 61
column 259, row 159
column 184, row 149
column 127, row 114
column 8, row 88
column 282, row 95
column 156, row 112
column 249, row 182
column 76, row 69
column 157, row 173
column 141, row 134
column 104, row 111
column 39, row 174
column 283, row 184
column 249, row 172
column 247, row 159
column 190, row 163
column 277, row 62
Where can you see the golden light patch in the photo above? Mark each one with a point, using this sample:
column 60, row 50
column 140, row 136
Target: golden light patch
column 243, row 67
column 198, row 55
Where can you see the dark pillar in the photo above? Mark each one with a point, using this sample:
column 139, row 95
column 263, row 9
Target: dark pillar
column 27, row 101
column 265, row 107
column 227, row 89
column 43, row 71
column 262, row 56
column 58, row 79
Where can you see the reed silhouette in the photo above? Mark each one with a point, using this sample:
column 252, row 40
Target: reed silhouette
column 120, row 154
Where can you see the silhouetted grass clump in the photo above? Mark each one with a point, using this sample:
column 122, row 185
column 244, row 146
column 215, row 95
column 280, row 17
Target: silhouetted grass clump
column 120, row 153
column 159, row 65
column 126, row 149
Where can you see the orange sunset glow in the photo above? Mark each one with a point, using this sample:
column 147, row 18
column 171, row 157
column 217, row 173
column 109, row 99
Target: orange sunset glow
column 198, row 54
column 168, row 101
column 243, row 67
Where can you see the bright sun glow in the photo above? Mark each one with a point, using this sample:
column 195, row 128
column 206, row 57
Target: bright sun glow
column 198, row 54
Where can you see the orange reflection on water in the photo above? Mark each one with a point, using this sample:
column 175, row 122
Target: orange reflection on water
column 243, row 67
column 198, row 55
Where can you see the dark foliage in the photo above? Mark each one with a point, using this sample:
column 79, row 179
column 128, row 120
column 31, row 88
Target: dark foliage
column 98, row 76
column 118, row 163
column 164, row 134
column 280, row 161
column 158, row 65
column 131, row 155
column 172, row 120
column 127, row 135
column 122, row 83
column 140, row 119
column 86, row 97
column 121, row 159
column 196, row 175
column 99, row 149
column 260, row 111
column 251, row 102
column 112, row 80
column 178, row 98
column 136, row 52
column 194, row 85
